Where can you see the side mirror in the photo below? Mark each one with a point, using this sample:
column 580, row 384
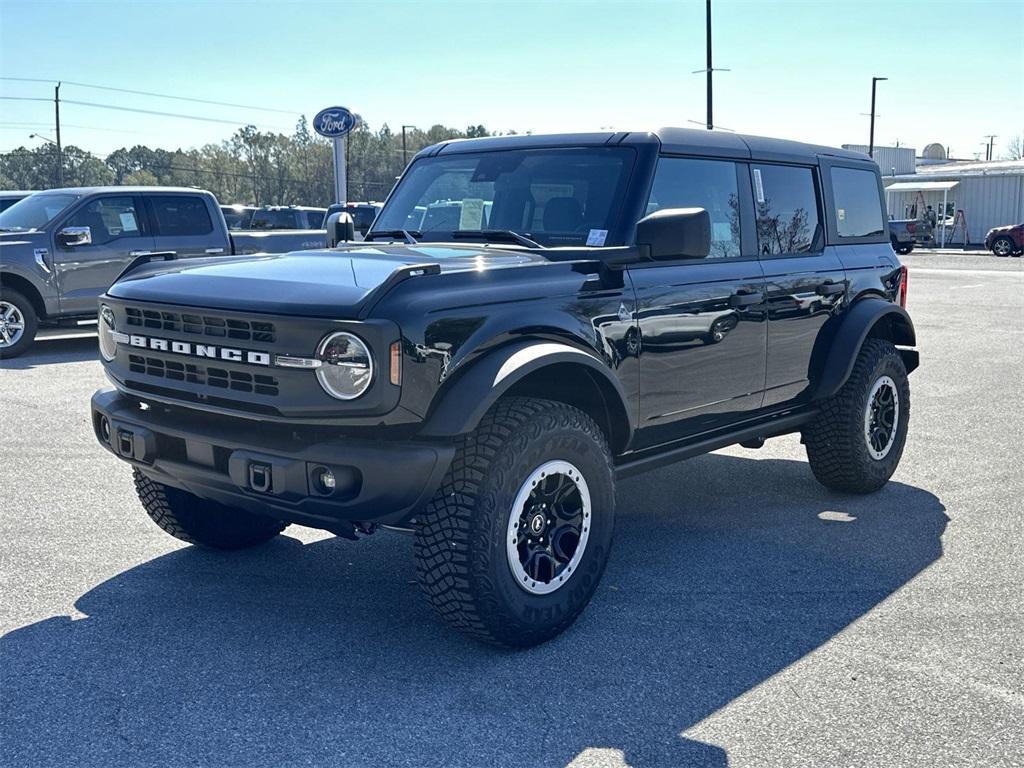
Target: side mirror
column 675, row 233
column 340, row 229
column 71, row 236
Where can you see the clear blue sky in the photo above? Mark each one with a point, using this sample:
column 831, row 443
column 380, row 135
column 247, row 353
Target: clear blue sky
column 799, row 70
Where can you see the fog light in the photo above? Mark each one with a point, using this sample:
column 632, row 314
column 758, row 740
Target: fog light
column 325, row 479
column 105, row 429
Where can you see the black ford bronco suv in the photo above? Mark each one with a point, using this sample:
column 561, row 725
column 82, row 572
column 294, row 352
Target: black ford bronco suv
column 528, row 319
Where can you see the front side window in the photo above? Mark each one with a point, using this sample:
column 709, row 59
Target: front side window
column 858, row 206
column 314, row 219
column 181, row 215
column 35, row 211
column 707, row 184
column 108, row 219
column 558, row 196
column 786, row 204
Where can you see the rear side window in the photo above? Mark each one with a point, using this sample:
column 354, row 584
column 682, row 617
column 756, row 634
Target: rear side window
column 707, row 184
column 786, row 203
column 279, row 219
column 858, row 206
column 180, row 215
column 314, row 219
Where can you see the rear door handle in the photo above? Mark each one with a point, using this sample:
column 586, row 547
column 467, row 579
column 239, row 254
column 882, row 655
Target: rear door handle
column 214, row 251
column 829, row 288
column 745, row 298
column 136, row 254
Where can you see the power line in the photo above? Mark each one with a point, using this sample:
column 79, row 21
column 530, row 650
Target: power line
column 151, row 93
column 167, row 114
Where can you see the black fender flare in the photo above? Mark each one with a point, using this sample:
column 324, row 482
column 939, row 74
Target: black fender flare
column 462, row 403
column 867, row 317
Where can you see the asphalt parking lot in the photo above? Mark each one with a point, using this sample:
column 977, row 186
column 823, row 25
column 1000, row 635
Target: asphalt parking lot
column 748, row 616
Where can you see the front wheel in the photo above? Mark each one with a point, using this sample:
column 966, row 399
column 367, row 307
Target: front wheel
column 18, row 324
column 1002, row 246
column 513, row 545
column 856, row 442
column 198, row 521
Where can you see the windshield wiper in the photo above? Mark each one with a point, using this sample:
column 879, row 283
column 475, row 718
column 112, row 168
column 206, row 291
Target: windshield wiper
column 498, row 234
column 394, row 234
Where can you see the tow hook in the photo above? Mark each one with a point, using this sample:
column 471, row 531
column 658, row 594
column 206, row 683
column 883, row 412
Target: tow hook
column 753, row 443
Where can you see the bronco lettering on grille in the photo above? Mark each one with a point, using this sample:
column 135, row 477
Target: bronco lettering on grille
column 211, row 351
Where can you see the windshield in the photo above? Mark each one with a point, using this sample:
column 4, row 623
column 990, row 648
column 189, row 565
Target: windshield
column 554, row 196
column 34, row 212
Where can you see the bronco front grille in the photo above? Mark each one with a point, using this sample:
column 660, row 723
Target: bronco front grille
column 210, row 376
column 201, row 325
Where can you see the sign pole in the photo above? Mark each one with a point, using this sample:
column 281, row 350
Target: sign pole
column 340, row 181
column 335, row 123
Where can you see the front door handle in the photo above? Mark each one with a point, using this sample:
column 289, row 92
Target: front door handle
column 214, row 251
column 829, row 288
column 745, row 298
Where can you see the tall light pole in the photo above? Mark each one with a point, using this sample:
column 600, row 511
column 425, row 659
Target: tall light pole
column 48, row 140
column 871, row 139
column 405, row 151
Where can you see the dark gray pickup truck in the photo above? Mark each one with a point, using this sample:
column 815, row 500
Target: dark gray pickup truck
column 61, row 249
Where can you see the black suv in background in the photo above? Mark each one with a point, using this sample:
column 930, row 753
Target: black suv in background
column 595, row 305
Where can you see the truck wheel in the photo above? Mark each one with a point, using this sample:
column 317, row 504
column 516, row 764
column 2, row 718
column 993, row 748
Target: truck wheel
column 512, row 546
column 1002, row 246
column 856, row 442
column 202, row 522
column 18, row 324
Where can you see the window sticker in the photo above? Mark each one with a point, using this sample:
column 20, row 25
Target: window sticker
column 841, row 213
column 597, row 237
column 472, row 214
column 758, row 186
column 128, row 222
column 721, row 231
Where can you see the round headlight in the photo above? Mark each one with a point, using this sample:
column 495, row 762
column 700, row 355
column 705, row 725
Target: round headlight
column 108, row 347
column 346, row 368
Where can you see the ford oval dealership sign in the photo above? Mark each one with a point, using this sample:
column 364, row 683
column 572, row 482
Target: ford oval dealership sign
column 335, row 122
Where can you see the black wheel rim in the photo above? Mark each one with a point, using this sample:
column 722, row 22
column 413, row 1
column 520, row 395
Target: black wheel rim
column 881, row 417
column 548, row 527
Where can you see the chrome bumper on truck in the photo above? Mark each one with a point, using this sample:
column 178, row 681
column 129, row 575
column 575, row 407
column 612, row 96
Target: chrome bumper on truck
column 275, row 469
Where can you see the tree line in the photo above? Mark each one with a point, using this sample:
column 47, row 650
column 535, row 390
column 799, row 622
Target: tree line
column 251, row 167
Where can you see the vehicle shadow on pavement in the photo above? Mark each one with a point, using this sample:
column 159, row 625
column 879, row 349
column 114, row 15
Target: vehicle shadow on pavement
column 723, row 573
column 52, row 351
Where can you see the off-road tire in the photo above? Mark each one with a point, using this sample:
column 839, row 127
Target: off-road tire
column 460, row 543
column 198, row 521
column 837, row 449
column 31, row 322
column 1007, row 244
column 901, row 248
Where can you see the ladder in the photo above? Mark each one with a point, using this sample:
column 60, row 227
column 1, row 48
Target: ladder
column 960, row 220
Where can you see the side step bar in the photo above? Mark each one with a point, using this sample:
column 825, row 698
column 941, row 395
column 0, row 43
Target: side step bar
column 780, row 425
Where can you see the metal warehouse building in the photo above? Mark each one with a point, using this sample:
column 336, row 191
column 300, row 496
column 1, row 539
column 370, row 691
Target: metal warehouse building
column 991, row 194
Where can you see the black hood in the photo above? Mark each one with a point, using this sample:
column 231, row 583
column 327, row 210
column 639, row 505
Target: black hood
column 328, row 283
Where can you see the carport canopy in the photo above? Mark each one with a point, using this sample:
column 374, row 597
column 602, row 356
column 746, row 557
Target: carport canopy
column 924, row 186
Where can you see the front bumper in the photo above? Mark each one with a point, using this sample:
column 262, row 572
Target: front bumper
column 272, row 468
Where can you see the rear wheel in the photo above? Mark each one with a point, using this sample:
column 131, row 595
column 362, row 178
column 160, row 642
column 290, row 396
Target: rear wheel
column 857, row 440
column 902, row 248
column 18, row 323
column 198, row 521
column 1002, row 246
column 512, row 546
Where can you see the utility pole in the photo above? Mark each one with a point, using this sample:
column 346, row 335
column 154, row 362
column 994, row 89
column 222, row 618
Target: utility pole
column 405, row 151
column 711, row 122
column 871, row 139
column 990, row 146
column 60, row 152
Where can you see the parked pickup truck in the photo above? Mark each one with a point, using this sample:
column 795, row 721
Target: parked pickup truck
column 60, row 249
column 904, row 234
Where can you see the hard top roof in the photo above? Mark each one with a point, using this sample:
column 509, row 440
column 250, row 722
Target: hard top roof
column 683, row 141
column 123, row 190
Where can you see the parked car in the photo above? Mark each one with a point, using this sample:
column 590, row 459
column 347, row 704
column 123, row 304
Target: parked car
column 238, row 216
column 1006, row 241
column 60, row 249
column 483, row 387
column 287, row 217
column 904, row 234
column 363, row 214
column 9, row 197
